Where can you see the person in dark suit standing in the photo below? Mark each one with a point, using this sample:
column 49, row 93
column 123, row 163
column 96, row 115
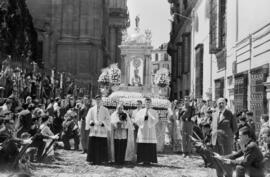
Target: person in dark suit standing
column 252, row 163
column 186, row 127
column 224, row 127
column 82, row 114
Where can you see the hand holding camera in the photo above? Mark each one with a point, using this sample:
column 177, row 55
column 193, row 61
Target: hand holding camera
column 119, row 125
column 146, row 116
column 122, row 116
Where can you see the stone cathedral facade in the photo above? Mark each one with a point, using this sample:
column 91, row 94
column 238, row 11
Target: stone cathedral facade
column 79, row 37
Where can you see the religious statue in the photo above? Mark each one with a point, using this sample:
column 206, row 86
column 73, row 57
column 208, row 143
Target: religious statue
column 137, row 22
column 148, row 35
column 136, row 80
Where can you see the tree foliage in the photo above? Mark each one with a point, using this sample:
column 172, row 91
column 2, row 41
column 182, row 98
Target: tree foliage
column 18, row 37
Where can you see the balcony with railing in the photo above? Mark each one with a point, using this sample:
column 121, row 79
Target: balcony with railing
column 254, row 48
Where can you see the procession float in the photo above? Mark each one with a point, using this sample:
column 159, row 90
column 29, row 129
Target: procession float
column 133, row 81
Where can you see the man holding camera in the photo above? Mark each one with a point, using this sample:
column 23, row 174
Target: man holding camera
column 146, row 119
column 98, row 122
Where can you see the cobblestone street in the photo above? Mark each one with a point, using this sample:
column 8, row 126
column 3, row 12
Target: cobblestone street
column 69, row 163
column 73, row 164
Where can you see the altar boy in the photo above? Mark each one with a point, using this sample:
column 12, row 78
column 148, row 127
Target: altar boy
column 98, row 122
column 146, row 119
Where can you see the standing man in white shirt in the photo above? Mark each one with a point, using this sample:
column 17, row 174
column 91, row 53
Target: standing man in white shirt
column 146, row 119
column 139, row 107
column 98, row 122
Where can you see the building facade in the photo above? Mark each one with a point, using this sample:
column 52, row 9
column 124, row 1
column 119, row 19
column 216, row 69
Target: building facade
column 160, row 59
column 74, row 36
column 118, row 22
column 179, row 47
column 231, row 53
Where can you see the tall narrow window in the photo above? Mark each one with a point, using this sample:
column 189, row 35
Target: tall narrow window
column 165, row 57
column 219, row 88
column 156, row 57
column 185, row 3
column 240, row 92
column 222, row 25
column 199, row 71
column 40, row 50
column 213, row 26
column 187, row 51
column 217, row 25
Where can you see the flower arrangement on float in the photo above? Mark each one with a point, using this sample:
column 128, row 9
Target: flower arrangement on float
column 162, row 78
column 104, row 78
column 114, row 75
column 129, row 99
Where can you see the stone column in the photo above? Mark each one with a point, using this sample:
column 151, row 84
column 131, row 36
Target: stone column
column 147, row 71
column 127, row 68
column 112, row 42
column 267, row 85
column 231, row 99
column 46, row 50
column 122, row 68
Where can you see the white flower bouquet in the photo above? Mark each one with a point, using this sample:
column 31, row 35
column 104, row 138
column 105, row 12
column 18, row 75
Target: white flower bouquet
column 115, row 74
column 162, row 78
column 104, row 78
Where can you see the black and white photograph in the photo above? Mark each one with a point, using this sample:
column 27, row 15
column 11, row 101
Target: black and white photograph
column 134, row 88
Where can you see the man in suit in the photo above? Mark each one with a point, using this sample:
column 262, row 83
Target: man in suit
column 82, row 114
column 252, row 163
column 186, row 127
column 224, row 127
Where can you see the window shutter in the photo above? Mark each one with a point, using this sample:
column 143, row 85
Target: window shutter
column 213, row 26
column 219, row 88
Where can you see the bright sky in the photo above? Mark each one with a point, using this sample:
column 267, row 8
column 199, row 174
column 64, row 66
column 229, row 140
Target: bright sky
column 154, row 15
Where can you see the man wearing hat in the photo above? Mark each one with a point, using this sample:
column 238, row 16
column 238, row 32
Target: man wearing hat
column 224, row 127
column 146, row 119
column 252, row 162
column 98, row 122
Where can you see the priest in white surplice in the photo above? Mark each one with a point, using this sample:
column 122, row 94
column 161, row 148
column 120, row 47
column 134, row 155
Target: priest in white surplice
column 98, row 121
column 146, row 119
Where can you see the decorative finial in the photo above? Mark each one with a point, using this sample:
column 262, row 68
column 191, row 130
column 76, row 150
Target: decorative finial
column 148, row 35
column 137, row 22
